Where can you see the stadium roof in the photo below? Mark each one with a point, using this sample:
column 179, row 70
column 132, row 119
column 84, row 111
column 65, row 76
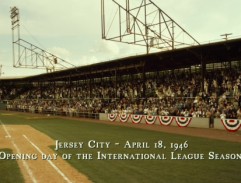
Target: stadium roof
column 229, row 50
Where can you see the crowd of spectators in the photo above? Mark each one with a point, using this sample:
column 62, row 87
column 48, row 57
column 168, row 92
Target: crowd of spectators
column 175, row 94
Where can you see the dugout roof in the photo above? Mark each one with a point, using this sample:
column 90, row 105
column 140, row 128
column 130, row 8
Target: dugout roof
column 224, row 51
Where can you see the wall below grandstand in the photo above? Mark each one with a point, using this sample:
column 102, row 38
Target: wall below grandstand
column 2, row 106
column 195, row 123
column 231, row 125
column 218, row 124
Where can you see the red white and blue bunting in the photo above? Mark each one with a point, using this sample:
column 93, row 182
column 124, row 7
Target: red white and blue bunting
column 183, row 121
column 150, row 120
column 112, row 117
column 136, row 118
column 124, row 117
column 165, row 120
column 231, row 125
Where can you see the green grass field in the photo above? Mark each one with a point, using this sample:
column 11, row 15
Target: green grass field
column 9, row 170
column 166, row 171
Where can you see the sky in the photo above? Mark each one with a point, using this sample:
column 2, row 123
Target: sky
column 71, row 29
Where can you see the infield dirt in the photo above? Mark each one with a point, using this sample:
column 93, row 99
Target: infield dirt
column 38, row 170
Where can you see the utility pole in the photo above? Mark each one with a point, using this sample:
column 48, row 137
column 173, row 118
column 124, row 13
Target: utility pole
column 226, row 36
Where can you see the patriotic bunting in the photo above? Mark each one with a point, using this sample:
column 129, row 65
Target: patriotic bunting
column 183, row 121
column 231, row 125
column 165, row 120
column 124, row 117
column 112, row 117
column 150, row 120
column 136, row 118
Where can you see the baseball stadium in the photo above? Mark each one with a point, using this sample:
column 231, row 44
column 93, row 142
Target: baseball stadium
column 169, row 115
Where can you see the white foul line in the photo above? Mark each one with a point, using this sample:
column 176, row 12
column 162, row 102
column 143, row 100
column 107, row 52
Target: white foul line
column 30, row 173
column 5, row 129
column 50, row 162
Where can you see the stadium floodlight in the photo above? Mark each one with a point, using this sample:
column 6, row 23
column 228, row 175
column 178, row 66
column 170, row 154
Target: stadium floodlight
column 27, row 55
column 143, row 23
column 14, row 15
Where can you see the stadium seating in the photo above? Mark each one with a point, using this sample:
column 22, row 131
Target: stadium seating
column 176, row 94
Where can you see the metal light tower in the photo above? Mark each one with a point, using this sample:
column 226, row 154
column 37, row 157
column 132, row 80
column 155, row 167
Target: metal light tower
column 144, row 23
column 15, row 33
column 27, row 55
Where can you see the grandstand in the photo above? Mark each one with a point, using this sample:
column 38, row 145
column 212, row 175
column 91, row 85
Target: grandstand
column 145, row 84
